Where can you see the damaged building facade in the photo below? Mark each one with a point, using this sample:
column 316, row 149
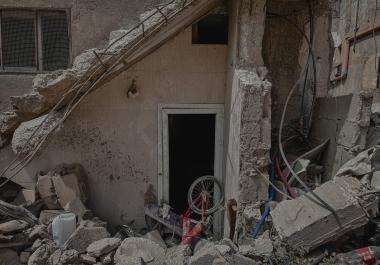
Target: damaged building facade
column 148, row 96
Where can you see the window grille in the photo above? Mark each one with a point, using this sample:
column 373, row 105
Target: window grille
column 34, row 40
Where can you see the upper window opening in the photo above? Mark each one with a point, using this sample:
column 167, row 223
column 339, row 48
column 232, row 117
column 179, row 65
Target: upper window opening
column 213, row 29
column 34, row 40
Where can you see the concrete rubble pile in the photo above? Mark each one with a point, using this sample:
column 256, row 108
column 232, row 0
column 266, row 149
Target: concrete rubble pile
column 304, row 224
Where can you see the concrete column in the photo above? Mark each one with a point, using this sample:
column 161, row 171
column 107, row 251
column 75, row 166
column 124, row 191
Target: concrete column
column 248, row 103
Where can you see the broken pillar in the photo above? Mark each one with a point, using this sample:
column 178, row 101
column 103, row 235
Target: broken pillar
column 306, row 225
column 248, row 99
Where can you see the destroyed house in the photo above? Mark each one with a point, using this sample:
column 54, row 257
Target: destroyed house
column 116, row 108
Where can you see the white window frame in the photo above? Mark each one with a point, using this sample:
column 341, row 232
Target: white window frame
column 38, row 39
column 163, row 146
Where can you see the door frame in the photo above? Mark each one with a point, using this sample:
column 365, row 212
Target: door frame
column 163, row 145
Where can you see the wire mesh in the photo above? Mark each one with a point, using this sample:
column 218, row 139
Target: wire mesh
column 55, row 41
column 18, row 39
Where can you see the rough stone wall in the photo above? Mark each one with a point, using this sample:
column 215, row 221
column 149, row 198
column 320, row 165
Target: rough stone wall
column 91, row 21
column 249, row 109
column 357, row 129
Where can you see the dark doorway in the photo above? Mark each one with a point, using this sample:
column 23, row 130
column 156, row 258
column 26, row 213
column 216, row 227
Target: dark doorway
column 191, row 154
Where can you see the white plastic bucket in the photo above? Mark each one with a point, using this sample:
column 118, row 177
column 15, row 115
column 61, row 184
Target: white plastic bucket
column 63, row 226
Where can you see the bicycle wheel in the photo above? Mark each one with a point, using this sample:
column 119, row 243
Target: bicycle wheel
column 201, row 195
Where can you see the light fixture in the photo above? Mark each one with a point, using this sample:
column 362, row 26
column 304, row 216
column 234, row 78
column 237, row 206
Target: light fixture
column 132, row 91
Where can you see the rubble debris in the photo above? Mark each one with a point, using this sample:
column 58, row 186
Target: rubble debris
column 77, row 207
column 178, row 255
column 208, row 255
column 67, row 188
column 13, row 226
column 63, row 257
column 25, row 196
column 24, row 257
column 9, row 121
column 364, row 163
column 87, row 259
column 257, row 249
column 155, row 237
column 108, row 258
column 84, row 236
column 47, row 216
column 103, row 246
column 17, row 212
column 23, row 133
column 46, row 192
column 304, row 224
column 9, row 257
column 42, row 254
column 142, row 248
column 38, row 231
column 375, row 181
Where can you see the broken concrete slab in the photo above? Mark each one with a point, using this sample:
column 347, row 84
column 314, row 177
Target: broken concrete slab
column 307, row 225
column 84, row 236
column 258, row 249
column 67, row 188
column 42, row 254
column 9, row 121
column 87, row 259
column 208, row 255
column 9, row 257
column 38, row 231
column 362, row 164
column 130, row 260
column 155, row 237
column 77, row 207
column 46, row 191
column 29, row 105
column 63, row 257
column 26, row 129
column 178, row 255
column 103, row 246
column 142, row 248
column 47, row 216
column 108, row 258
column 13, row 226
column 375, row 181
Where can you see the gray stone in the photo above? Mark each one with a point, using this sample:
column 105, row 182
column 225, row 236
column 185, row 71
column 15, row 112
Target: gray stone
column 203, row 243
column 63, row 257
column 238, row 259
column 9, row 257
column 211, row 254
column 24, row 257
column 13, row 226
column 9, row 121
column 84, row 236
column 42, row 254
column 38, row 231
column 178, row 255
column 103, row 246
column 375, row 181
column 149, row 251
column 129, row 260
column 228, row 242
column 87, row 259
column 155, row 237
column 258, row 248
column 47, row 216
column 29, row 105
column 307, row 225
column 108, row 258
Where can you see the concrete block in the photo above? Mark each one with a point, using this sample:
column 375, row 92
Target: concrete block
column 103, row 246
column 67, row 188
column 141, row 248
column 155, row 237
column 304, row 224
column 47, row 216
column 84, row 236
column 46, row 190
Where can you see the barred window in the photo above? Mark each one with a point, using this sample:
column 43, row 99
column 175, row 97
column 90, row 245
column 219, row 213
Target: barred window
column 34, row 40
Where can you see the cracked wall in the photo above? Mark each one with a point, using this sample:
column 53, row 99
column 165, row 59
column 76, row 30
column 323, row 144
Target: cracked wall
column 115, row 138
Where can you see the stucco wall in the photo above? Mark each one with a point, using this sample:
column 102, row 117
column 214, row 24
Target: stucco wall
column 115, row 138
column 91, row 21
